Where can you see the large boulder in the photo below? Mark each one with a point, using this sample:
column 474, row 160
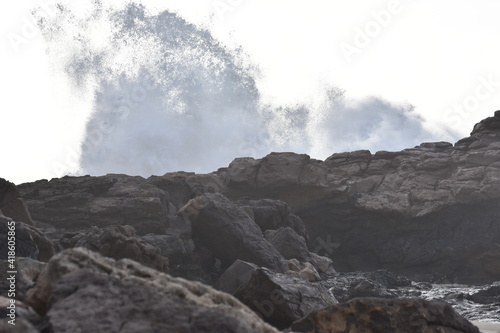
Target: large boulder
column 281, row 299
column 12, row 204
column 117, row 242
column 374, row 315
column 379, row 284
column 81, row 291
column 229, row 233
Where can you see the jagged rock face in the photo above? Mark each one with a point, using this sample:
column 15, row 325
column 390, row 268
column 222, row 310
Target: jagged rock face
column 389, row 316
column 81, row 291
column 117, row 242
column 229, row 233
column 432, row 209
column 80, row 202
column 281, row 299
column 11, row 203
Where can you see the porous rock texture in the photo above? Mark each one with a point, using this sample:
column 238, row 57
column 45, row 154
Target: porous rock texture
column 374, row 315
column 82, row 291
column 117, row 242
column 281, row 299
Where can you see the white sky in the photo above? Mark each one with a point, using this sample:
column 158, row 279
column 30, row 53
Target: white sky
column 432, row 54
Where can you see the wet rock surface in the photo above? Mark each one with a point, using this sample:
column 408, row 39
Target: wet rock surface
column 382, row 315
column 281, row 299
column 82, row 291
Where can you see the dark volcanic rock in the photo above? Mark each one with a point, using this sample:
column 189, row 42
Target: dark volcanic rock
column 490, row 295
column 229, row 233
column 81, row 291
column 239, row 273
column 11, row 203
column 27, row 269
column 82, row 202
column 429, row 211
column 117, row 242
column 273, row 215
column 30, row 242
column 381, row 315
column 281, row 299
column 288, row 243
column 379, row 284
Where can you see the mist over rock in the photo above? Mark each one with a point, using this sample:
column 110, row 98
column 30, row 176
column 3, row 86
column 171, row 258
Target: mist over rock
column 429, row 212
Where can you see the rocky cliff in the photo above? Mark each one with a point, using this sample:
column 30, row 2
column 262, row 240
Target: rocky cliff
column 431, row 212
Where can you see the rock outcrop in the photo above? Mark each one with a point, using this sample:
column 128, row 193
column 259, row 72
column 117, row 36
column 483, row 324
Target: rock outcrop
column 81, row 291
column 372, row 315
column 117, row 242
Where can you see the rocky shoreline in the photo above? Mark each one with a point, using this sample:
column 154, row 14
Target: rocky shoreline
column 388, row 242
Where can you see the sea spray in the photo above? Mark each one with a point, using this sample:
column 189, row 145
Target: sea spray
column 168, row 96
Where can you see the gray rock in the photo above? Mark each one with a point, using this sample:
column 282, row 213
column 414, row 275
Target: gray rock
column 288, row 243
column 229, row 233
column 81, row 291
column 281, row 299
column 373, row 315
column 30, row 242
column 12, row 204
column 235, row 276
column 117, row 242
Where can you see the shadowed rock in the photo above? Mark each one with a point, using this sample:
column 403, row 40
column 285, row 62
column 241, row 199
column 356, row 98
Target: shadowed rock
column 81, row 291
column 229, row 233
column 12, row 204
column 281, row 299
column 117, row 242
column 373, row 315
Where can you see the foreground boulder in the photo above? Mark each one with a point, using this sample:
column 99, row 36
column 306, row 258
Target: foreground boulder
column 81, row 291
column 229, row 233
column 373, row 315
column 281, row 299
column 117, row 242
